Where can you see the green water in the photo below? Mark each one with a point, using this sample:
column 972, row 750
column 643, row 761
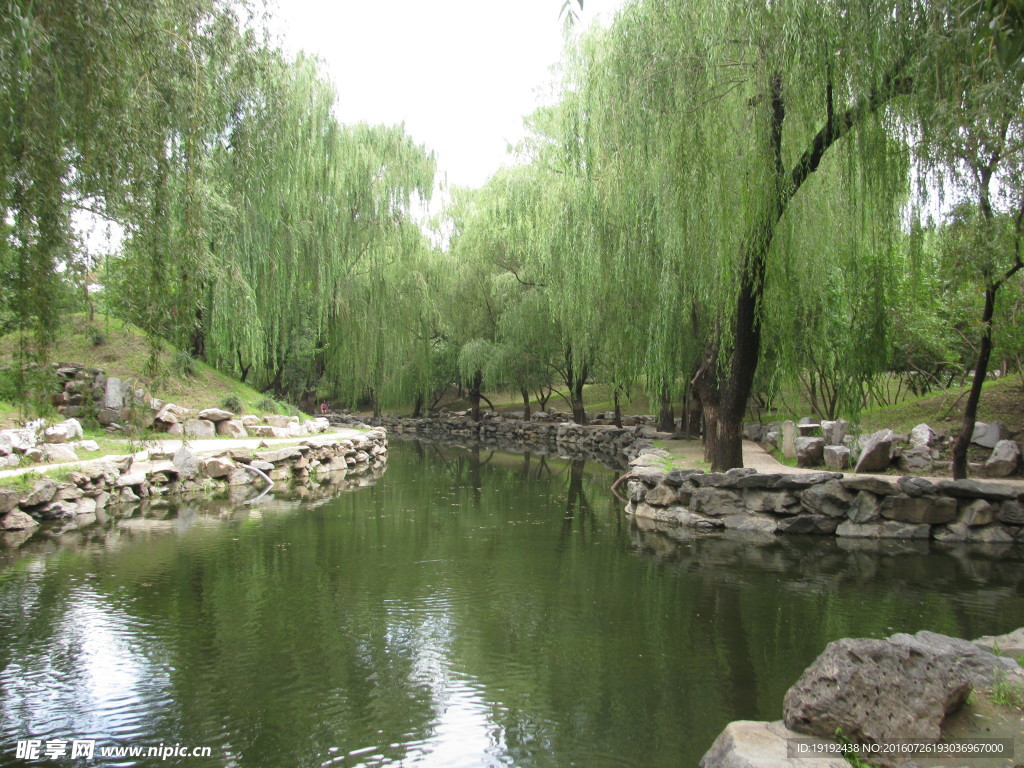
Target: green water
column 471, row 609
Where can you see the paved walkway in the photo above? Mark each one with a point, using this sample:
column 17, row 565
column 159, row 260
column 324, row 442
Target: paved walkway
column 198, row 447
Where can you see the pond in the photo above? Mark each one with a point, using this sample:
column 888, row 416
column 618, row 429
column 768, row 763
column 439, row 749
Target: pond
column 470, row 609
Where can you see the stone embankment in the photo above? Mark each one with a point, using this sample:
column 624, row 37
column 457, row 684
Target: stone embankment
column 828, row 503
column 544, row 433
column 882, row 693
column 92, row 487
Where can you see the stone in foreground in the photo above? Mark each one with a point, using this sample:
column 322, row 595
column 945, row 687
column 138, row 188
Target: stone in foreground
column 877, row 452
column 749, row 744
column 877, row 690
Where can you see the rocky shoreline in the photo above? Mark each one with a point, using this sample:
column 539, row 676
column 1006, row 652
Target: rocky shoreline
column 828, row 503
column 113, row 482
column 880, row 693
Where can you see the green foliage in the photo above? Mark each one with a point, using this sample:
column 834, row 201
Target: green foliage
column 1006, row 693
column 233, row 403
column 268, row 405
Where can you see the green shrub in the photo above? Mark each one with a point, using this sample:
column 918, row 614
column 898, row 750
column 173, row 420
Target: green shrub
column 185, row 365
column 268, row 404
column 232, row 403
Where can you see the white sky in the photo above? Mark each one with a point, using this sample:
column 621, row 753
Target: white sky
column 461, row 74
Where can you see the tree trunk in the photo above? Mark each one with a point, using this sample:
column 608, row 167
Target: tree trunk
column 474, row 394
column 974, row 396
column 618, row 408
column 666, row 418
column 417, row 407
column 527, row 413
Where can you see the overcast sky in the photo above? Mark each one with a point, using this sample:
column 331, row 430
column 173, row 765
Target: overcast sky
column 460, row 74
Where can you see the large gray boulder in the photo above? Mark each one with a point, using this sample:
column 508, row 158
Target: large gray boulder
column 837, row 457
column 1004, row 459
column 919, row 509
column 987, row 435
column 215, row 414
column 923, row 436
column 200, row 428
column 232, row 428
column 877, row 690
column 16, row 520
column 876, row 454
column 185, row 462
column 750, row 744
column 65, row 432
column 58, row 452
column 810, row 451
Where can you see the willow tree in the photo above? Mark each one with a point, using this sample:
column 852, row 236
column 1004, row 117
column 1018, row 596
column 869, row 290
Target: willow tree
column 730, row 110
column 972, row 133
column 95, row 97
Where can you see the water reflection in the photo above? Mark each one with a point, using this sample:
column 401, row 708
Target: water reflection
column 471, row 608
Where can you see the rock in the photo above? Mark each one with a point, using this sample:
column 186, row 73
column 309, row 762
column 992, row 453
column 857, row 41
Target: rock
column 976, row 512
column 250, row 420
column 185, row 462
column 172, row 414
column 16, row 520
column 753, row 431
column 231, row 428
column 276, row 420
column 829, row 499
column 808, row 524
column 35, row 455
column 808, row 428
column 715, row 502
column 916, row 486
column 972, row 489
column 215, row 414
column 750, row 744
column 131, row 479
column 771, row 438
column 1011, row 644
column 789, row 439
column 21, row 439
column 889, row 529
column 281, row 454
column 987, row 435
column 8, row 500
column 836, row 457
column 89, row 446
column 920, row 509
column 58, row 452
column 810, row 451
column 866, row 508
column 264, row 430
column 871, row 484
column 201, row 429
column 916, row 460
column 662, row 496
column 65, row 432
column 42, row 492
column 678, row 477
column 876, row 454
column 776, row 502
column 978, row 664
column 1010, row 512
column 1004, row 459
column 923, row 436
column 116, row 394
column 216, row 466
column 876, row 691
